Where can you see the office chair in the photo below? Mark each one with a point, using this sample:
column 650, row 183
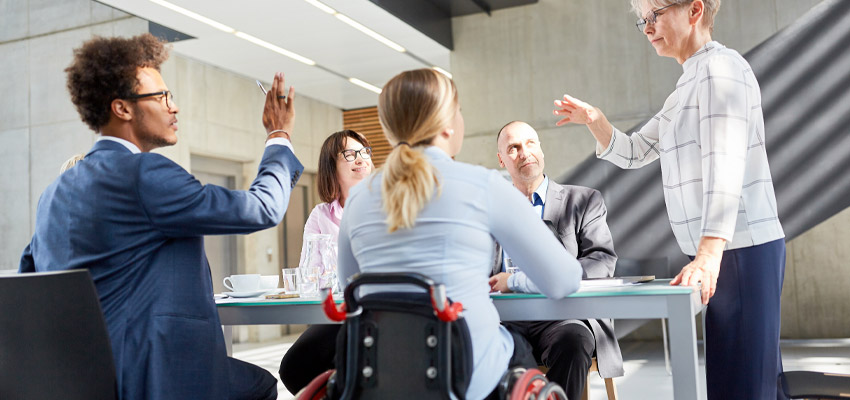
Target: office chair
column 408, row 345
column 53, row 339
column 814, row 385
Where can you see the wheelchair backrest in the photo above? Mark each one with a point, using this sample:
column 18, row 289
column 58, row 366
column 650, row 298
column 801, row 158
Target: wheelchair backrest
column 397, row 348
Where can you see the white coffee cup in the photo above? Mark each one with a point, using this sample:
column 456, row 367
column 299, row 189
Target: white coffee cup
column 269, row 282
column 242, row 283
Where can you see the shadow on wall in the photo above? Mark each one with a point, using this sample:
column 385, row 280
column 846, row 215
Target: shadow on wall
column 804, row 73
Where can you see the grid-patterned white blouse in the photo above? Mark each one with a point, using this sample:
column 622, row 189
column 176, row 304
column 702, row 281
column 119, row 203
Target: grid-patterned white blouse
column 711, row 141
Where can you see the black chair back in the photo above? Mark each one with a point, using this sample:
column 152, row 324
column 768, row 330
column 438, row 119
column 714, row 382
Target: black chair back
column 53, row 338
column 814, row 385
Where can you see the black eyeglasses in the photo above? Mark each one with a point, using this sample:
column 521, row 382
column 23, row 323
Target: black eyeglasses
column 169, row 98
column 651, row 18
column 351, row 154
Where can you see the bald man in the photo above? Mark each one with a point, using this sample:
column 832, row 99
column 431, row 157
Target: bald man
column 576, row 216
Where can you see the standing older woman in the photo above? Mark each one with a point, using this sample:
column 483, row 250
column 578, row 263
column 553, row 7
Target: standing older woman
column 344, row 160
column 426, row 213
column 717, row 186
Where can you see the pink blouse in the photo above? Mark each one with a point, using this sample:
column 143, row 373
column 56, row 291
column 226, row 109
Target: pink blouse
column 324, row 218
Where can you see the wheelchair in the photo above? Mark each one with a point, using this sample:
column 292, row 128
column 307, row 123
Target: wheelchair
column 404, row 345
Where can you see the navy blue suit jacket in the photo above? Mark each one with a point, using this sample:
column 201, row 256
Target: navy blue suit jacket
column 137, row 221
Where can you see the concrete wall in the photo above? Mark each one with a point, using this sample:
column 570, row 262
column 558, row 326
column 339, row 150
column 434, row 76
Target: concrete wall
column 40, row 128
column 513, row 64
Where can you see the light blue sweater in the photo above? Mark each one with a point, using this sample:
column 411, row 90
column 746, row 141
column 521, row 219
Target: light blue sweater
column 452, row 243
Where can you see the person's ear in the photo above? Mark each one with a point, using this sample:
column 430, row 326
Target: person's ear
column 695, row 12
column 501, row 163
column 121, row 108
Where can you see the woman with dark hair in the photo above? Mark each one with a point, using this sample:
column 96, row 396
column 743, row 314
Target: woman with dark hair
column 710, row 139
column 344, row 160
column 426, row 213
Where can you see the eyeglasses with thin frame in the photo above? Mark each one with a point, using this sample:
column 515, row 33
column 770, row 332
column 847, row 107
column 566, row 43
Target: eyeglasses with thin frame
column 169, row 98
column 351, row 154
column 651, row 18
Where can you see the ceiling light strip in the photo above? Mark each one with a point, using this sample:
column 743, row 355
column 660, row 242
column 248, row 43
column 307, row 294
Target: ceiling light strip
column 442, row 71
column 356, row 25
column 365, row 85
column 322, row 6
column 374, row 35
column 195, row 16
column 276, row 49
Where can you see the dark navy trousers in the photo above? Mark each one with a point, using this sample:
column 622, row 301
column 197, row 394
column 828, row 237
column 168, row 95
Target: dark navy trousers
column 742, row 358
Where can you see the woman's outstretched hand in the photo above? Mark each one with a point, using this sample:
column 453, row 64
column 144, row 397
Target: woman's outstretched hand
column 575, row 111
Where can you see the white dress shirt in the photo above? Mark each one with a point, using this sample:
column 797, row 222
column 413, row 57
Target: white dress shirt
column 711, row 141
column 126, row 143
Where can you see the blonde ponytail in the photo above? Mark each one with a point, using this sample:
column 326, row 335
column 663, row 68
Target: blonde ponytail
column 408, row 183
column 414, row 107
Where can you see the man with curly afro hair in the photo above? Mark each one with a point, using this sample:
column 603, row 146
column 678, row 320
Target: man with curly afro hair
column 136, row 221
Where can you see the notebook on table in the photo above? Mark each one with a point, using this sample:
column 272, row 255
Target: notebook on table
column 616, row 281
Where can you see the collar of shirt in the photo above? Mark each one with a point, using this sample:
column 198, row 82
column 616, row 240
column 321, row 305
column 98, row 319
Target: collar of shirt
column 336, row 210
column 436, row 153
column 701, row 53
column 538, row 198
column 130, row 146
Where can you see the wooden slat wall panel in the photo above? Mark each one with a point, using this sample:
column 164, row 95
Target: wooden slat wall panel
column 365, row 121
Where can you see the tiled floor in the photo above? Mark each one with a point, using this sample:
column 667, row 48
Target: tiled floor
column 646, row 376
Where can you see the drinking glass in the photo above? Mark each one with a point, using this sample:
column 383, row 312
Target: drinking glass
column 290, row 280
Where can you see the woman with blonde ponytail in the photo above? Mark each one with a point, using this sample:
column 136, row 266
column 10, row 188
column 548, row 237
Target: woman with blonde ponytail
column 426, row 213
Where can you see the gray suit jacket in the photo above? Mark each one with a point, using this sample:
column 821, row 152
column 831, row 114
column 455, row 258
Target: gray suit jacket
column 576, row 215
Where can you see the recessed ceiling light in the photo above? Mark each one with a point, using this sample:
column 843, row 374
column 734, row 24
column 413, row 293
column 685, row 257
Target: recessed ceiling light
column 356, row 25
column 374, row 35
column 365, row 85
column 321, row 6
column 195, row 16
column 277, row 49
column 442, row 71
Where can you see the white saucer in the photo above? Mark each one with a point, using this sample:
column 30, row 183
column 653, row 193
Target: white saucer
column 246, row 294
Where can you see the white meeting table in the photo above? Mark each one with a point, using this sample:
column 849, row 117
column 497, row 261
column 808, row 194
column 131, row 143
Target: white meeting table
column 653, row 300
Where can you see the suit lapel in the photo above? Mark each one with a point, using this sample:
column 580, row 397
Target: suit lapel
column 556, row 197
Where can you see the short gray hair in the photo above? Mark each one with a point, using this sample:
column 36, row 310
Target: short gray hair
column 711, row 7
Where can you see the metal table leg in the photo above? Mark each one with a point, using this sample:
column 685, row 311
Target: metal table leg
column 683, row 346
column 228, row 338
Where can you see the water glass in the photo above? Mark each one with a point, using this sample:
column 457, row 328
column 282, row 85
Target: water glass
column 290, row 280
column 309, row 284
column 510, row 267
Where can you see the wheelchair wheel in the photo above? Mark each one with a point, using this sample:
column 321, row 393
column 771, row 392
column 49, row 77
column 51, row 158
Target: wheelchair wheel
column 528, row 385
column 552, row 391
column 318, row 387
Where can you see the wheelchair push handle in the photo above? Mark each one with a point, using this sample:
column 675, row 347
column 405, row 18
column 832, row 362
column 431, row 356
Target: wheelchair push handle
column 329, row 306
column 443, row 309
column 445, row 312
